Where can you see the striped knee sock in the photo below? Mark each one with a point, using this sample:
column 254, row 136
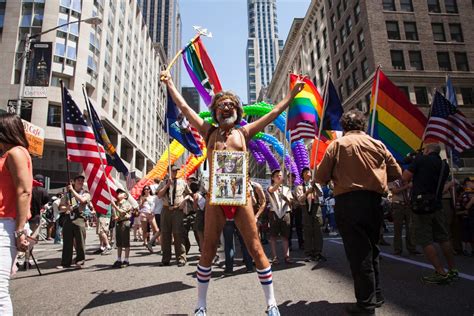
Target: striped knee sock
column 265, row 278
column 203, row 276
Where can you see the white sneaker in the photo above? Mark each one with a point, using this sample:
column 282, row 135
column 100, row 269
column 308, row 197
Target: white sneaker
column 201, row 311
column 273, row 311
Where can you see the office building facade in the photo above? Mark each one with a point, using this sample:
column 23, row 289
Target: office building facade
column 164, row 25
column 116, row 62
column 417, row 43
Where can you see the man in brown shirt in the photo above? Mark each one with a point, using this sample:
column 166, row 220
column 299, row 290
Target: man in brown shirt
column 359, row 167
column 173, row 195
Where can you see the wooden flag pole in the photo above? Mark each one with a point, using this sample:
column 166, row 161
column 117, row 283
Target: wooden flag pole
column 169, row 158
column 65, row 139
column 372, row 125
column 200, row 31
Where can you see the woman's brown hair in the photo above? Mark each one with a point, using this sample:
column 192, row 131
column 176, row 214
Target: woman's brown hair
column 12, row 131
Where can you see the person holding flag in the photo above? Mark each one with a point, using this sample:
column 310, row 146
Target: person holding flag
column 226, row 110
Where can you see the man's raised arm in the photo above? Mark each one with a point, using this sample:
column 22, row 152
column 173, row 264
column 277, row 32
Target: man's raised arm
column 194, row 119
column 257, row 126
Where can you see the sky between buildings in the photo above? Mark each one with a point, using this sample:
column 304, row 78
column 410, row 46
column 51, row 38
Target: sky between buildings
column 227, row 20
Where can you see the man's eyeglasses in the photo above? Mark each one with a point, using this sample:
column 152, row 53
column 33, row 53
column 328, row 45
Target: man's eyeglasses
column 223, row 105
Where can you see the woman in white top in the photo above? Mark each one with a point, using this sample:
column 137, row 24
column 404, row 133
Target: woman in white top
column 147, row 205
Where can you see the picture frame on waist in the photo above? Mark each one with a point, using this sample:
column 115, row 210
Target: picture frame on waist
column 229, row 178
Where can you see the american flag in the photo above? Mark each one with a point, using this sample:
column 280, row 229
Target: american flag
column 96, row 182
column 80, row 138
column 82, row 147
column 131, row 180
column 303, row 130
column 448, row 125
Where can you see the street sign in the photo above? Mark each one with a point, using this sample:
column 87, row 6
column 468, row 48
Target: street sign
column 24, row 103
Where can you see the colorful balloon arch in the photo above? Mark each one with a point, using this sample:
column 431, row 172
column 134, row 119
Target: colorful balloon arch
column 258, row 146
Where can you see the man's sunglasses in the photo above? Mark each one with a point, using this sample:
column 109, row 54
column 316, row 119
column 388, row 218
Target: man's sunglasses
column 223, row 105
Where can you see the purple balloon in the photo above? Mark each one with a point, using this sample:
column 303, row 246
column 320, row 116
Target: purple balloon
column 300, row 154
column 259, row 158
column 266, row 152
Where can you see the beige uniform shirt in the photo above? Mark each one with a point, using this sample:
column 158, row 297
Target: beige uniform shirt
column 356, row 162
column 182, row 190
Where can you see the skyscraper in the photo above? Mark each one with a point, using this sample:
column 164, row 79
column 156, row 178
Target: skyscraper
column 164, row 25
column 263, row 46
column 192, row 97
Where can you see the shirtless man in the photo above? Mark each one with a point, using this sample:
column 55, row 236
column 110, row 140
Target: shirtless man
column 227, row 111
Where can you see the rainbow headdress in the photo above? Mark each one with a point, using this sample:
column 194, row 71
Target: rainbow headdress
column 305, row 112
column 398, row 123
column 200, row 69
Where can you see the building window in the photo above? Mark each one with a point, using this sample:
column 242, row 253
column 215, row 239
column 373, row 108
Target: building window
column 357, row 12
column 54, row 115
column 405, row 91
column 345, row 58
column 311, row 56
column 361, row 40
column 406, row 5
column 365, row 68
column 438, row 32
column 338, row 10
column 443, row 61
column 461, row 61
column 411, row 33
column 352, row 51
column 325, row 38
column 336, row 45
column 433, row 6
column 318, row 49
column 349, row 85
column 343, row 33
column 338, row 68
column 321, row 77
column 333, row 22
column 451, row 6
column 456, row 33
column 421, row 95
column 398, row 62
column 416, row 62
column 389, row 5
column 354, row 79
column 393, row 32
column 349, row 25
column 467, row 96
column 341, row 92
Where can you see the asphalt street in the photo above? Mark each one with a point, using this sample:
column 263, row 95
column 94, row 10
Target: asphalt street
column 145, row 288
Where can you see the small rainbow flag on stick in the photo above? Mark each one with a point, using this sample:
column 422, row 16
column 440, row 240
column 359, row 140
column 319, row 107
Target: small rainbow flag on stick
column 200, row 69
column 396, row 121
column 305, row 112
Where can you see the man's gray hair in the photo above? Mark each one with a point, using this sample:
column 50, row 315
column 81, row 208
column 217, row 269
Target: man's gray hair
column 433, row 147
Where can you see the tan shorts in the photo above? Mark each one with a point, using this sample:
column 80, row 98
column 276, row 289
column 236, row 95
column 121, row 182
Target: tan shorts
column 147, row 217
column 103, row 225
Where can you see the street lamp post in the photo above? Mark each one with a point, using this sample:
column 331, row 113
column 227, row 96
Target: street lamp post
column 28, row 39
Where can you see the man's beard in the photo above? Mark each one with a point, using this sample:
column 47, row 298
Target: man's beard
column 231, row 120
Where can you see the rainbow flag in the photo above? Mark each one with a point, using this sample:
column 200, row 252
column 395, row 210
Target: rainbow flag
column 398, row 123
column 305, row 112
column 200, row 69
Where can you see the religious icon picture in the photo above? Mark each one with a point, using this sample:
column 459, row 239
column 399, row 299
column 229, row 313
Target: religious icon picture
column 229, row 178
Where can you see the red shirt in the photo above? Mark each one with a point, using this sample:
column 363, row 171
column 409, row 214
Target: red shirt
column 8, row 196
